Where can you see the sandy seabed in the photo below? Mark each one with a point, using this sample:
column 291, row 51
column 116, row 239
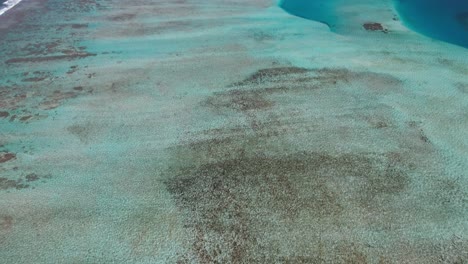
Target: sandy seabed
column 218, row 131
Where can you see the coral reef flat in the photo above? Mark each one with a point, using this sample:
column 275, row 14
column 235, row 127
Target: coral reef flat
column 188, row 131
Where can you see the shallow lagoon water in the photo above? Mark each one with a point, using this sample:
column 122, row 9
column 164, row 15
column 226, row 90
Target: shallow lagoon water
column 131, row 132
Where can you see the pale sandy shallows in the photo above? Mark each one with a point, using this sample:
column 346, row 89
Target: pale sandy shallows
column 218, row 131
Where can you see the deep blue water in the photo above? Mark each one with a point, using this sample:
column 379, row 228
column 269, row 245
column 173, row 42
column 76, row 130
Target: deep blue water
column 445, row 20
column 322, row 11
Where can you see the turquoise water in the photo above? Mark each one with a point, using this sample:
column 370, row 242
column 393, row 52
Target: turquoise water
column 446, row 20
column 158, row 131
column 322, row 11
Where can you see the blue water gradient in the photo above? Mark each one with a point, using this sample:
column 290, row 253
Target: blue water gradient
column 446, row 20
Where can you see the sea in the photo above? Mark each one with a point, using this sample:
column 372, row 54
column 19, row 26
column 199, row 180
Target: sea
column 445, row 20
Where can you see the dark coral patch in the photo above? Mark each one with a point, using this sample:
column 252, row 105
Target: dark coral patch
column 270, row 73
column 122, row 17
column 79, row 26
column 21, row 183
column 229, row 185
column 240, row 100
column 4, row 157
column 6, row 184
column 34, row 79
column 32, row 177
column 373, row 26
column 4, row 114
column 56, row 99
column 233, row 182
column 71, row 56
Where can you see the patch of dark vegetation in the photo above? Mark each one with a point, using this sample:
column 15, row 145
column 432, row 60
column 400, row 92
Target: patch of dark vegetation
column 283, row 79
column 56, row 99
column 32, row 177
column 34, row 79
column 22, row 183
column 50, row 58
column 270, row 73
column 261, row 36
column 454, row 65
column 6, row 184
column 79, row 26
column 450, row 193
column 380, row 124
column 417, row 126
column 240, row 100
column 373, row 26
column 41, row 48
column 231, row 184
column 80, row 131
column 25, row 118
column 4, row 114
column 122, row 17
column 4, row 157
column 72, row 69
column 235, row 184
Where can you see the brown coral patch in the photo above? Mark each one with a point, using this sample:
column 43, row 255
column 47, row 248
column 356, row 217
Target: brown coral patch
column 373, row 26
column 4, row 157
